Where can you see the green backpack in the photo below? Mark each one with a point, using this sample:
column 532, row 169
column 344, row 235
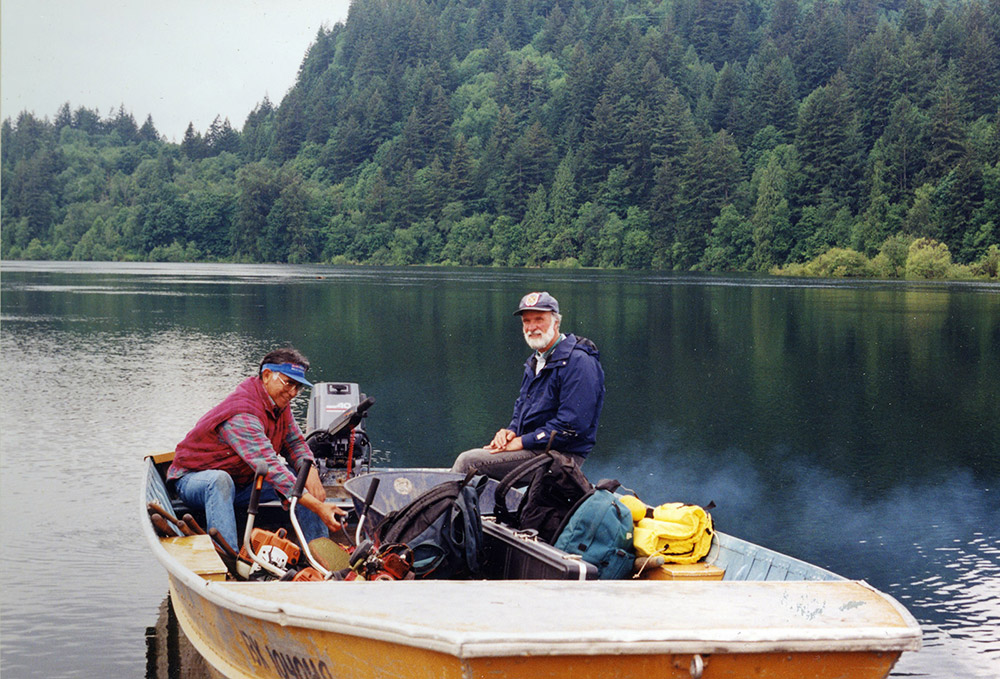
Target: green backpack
column 599, row 529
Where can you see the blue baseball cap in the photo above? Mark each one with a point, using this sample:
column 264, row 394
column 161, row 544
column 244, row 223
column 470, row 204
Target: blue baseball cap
column 294, row 370
column 537, row 301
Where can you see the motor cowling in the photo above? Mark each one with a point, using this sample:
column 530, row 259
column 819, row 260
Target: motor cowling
column 335, row 425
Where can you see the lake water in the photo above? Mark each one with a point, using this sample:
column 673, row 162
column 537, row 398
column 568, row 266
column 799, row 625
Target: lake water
column 854, row 425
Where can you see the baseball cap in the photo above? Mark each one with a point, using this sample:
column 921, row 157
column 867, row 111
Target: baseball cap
column 538, row 301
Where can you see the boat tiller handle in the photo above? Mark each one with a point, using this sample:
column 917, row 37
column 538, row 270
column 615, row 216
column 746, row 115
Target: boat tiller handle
column 369, row 497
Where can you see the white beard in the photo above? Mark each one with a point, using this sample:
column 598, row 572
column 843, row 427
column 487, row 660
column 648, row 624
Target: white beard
column 541, row 340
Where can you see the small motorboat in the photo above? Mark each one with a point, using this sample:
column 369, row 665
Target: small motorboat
column 743, row 611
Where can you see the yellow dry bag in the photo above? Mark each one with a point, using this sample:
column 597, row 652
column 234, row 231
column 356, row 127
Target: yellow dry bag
column 678, row 532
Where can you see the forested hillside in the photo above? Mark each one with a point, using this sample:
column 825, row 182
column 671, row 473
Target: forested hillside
column 705, row 134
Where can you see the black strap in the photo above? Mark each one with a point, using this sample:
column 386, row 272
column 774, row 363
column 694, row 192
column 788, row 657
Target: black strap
column 399, row 521
column 503, row 514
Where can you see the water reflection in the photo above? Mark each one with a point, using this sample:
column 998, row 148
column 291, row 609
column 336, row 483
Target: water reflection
column 100, row 398
column 853, row 425
column 169, row 654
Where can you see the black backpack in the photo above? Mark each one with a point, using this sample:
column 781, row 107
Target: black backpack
column 555, row 485
column 442, row 527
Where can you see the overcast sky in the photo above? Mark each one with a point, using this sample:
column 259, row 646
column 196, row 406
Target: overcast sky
column 180, row 60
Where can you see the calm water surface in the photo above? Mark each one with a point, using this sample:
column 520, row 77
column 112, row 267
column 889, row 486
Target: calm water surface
column 854, row 425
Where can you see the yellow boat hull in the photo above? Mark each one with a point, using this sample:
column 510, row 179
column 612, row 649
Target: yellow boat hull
column 278, row 641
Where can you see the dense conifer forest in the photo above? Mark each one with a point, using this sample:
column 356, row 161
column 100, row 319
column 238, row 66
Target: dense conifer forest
column 849, row 136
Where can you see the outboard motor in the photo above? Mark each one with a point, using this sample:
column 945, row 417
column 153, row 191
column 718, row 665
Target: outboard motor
column 335, row 426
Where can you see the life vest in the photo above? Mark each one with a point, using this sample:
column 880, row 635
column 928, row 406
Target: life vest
column 678, row 532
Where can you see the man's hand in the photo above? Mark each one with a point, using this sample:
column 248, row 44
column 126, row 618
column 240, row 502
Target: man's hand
column 501, row 439
column 329, row 513
column 314, row 486
column 514, row 444
column 331, row 516
column 505, row 441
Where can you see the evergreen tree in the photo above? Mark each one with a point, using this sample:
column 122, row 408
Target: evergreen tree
column 827, row 140
column 148, row 130
column 881, row 218
column 535, row 233
column 784, row 23
column 346, row 149
column 87, row 120
column 221, row 138
column 604, row 141
column 947, row 136
column 193, row 144
column 773, row 89
column 979, row 65
column 638, row 153
column 822, row 48
column 461, row 172
column 124, row 124
column 31, row 197
column 960, row 194
column 771, row 220
column 901, row 148
column 526, row 165
column 407, row 200
column 257, row 132
column 290, row 234
column 64, row 117
column 562, row 202
column 663, row 208
column 676, row 129
column 259, row 188
column 875, row 78
column 696, row 207
column 437, row 188
column 727, row 110
column 914, row 17
column 290, row 126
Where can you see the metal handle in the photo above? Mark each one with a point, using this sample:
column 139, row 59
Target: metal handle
column 258, row 481
column 697, row 666
column 300, row 481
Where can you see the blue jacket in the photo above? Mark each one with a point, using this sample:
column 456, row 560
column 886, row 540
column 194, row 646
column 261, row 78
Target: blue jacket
column 565, row 397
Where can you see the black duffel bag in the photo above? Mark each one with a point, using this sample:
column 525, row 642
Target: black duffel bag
column 554, row 485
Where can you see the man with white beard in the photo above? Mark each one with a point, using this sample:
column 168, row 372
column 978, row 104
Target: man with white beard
column 559, row 405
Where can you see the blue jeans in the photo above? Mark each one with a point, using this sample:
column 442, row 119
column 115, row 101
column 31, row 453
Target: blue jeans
column 214, row 491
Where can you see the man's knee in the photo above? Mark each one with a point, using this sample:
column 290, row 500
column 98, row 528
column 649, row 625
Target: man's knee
column 200, row 487
column 222, row 484
column 461, row 463
column 468, row 460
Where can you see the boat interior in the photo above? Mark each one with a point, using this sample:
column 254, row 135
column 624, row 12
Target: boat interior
column 509, row 554
column 336, row 424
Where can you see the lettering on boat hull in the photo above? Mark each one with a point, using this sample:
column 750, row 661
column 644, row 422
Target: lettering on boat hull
column 285, row 665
